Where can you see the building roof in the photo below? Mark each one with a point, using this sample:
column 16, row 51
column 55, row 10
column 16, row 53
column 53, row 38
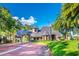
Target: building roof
column 57, row 33
column 23, row 32
column 42, row 32
column 20, row 32
column 46, row 31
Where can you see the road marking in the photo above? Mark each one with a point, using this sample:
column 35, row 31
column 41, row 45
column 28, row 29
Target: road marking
column 11, row 50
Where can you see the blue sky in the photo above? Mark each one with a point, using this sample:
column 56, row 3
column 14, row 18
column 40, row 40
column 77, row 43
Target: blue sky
column 42, row 13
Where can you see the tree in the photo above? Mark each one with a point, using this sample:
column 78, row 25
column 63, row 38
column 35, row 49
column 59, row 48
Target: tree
column 8, row 25
column 68, row 18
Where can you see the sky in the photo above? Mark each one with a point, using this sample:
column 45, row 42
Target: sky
column 39, row 14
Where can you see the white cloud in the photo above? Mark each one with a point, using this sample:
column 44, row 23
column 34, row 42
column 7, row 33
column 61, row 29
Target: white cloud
column 30, row 21
column 15, row 17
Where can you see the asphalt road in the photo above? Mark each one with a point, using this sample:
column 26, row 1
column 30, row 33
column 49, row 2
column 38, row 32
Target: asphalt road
column 24, row 49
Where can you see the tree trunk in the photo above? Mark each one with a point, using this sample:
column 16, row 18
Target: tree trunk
column 71, row 35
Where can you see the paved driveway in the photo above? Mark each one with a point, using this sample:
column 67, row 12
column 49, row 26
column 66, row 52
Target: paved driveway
column 27, row 49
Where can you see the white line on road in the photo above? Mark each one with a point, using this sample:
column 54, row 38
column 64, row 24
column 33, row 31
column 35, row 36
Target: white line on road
column 11, row 50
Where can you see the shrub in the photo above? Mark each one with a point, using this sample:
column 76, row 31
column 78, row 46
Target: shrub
column 74, row 53
column 57, row 47
column 66, row 48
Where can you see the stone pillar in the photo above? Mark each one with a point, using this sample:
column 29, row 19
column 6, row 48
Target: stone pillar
column 45, row 37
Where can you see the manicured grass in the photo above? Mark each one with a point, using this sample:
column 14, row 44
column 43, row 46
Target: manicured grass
column 44, row 42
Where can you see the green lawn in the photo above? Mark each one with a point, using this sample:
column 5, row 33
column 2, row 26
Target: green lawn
column 44, row 42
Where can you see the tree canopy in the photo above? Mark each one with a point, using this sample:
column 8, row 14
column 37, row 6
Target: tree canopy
column 68, row 18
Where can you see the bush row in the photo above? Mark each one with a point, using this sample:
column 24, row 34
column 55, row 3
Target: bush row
column 63, row 48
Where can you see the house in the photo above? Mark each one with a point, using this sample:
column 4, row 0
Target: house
column 45, row 33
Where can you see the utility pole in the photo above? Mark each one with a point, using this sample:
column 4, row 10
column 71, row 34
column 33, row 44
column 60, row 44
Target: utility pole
column 49, row 29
